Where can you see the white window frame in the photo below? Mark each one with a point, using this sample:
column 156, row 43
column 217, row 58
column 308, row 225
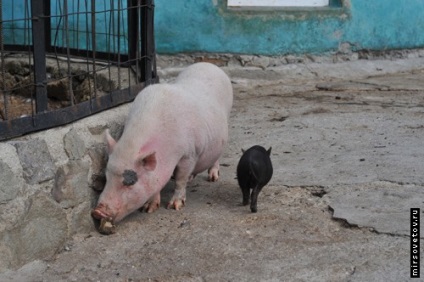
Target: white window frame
column 276, row 3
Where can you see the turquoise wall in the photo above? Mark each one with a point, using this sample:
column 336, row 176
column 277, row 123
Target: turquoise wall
column 208, row 26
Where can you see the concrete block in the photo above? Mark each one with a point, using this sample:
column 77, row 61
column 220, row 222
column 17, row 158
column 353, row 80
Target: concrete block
column 382, row 206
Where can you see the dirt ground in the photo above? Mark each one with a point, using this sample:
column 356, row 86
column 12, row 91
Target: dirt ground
column 329, row 137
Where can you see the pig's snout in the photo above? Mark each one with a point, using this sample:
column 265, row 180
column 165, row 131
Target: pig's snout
column 102, row 211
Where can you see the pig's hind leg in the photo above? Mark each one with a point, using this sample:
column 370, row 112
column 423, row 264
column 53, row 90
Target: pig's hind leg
column 183, row 174
column 213, row 172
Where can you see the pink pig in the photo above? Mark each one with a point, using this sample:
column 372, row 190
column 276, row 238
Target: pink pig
column 177, row 129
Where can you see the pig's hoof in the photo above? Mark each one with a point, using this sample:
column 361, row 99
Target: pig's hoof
column 150, row 207
column 213, row 174
column 176, row 204
column 106, row 227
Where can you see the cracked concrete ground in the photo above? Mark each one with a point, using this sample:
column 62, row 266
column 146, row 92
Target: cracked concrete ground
column 348, row 157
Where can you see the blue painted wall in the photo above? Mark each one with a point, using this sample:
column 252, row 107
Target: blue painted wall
column 208, row 26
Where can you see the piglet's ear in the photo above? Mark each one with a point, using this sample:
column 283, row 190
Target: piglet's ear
column 110, row 142
column 148, row 162
column 269, row 151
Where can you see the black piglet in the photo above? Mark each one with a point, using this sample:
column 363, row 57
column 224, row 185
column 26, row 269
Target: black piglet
column 254, row 171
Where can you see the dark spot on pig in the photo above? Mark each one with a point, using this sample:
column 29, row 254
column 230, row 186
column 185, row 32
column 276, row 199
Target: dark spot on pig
column 130, row 177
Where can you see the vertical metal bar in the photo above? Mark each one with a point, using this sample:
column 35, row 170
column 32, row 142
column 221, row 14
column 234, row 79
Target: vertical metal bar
column 4, row 114
column 78, row 12
column 133, row 27
column 117, row 37
column 39, row 43
column 152, row 40
column 29, row 42
column 146, row 40
column 108, row 46
column 137, row 45
column 48, row 26
column 68, row 51
column 93, row 43
column 87, row 47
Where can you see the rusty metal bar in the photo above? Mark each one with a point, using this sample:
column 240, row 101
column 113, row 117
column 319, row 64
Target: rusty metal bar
column 39, row 43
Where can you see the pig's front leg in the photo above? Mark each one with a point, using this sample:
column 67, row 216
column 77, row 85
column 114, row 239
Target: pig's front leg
column 213, row 172
column 183, row 174
column 152, row 204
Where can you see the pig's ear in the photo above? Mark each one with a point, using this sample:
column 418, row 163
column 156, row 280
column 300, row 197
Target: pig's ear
column 110, row 142
column 148, row 162
column 269, row 151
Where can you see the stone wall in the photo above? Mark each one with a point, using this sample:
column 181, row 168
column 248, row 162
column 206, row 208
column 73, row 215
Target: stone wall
column 49, row 183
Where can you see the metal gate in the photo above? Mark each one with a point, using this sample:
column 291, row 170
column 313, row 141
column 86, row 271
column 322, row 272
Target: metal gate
column 64, row 60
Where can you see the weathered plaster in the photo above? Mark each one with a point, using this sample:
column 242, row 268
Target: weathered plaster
column 188, row 26
column 210, row 26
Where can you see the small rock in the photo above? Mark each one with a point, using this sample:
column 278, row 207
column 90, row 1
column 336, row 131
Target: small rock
column 260, row 62
column 105, row 84
column 185, row 223
column 106, row 227
column 245, row 59
column 16, row 67
column 84, row 91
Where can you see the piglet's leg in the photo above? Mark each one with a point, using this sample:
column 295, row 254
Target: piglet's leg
column 152, row 204
column 213, row 172
column 183, row 173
